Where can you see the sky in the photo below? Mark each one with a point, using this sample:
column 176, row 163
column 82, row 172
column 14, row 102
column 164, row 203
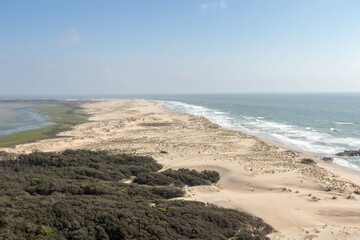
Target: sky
column 122, row 47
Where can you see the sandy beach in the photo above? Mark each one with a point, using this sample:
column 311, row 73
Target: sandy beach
column 301, row 201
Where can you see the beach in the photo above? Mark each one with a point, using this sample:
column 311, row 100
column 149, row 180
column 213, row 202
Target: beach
column 301, row 201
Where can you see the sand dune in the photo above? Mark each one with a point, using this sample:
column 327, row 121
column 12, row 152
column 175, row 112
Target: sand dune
column 301, row 201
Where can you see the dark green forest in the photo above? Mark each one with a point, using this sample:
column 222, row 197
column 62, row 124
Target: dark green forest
column 82, row 195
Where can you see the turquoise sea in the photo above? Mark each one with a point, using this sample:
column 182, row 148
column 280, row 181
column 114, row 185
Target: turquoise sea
column 321, row 124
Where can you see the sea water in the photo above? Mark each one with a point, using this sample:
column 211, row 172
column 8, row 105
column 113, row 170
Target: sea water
column 16, row 117
column 322, row 124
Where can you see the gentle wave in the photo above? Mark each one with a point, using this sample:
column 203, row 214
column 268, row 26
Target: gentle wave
column 303, row 138
column 344, row 123
column 345, row 163
column 213, row 115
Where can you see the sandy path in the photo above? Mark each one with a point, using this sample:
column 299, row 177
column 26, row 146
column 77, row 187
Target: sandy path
column 258, row 177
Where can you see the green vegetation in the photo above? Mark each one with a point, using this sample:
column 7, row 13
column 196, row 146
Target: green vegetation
column 63, row 114
column 46, row 231
column 308, row 161
column 178, row 178
column 82, row 195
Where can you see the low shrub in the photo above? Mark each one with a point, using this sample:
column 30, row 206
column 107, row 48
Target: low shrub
column 79, row 195
column 308, row 161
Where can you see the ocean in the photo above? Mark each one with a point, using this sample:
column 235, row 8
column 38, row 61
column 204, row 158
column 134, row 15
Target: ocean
column 321, row 124
column 16, row 117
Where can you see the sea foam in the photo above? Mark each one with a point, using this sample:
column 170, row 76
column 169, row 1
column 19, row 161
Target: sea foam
column 307, row 139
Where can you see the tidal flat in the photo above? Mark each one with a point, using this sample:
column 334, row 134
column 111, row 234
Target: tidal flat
column 62, row 114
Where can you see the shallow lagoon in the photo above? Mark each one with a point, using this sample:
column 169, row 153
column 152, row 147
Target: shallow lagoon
column 16, row 117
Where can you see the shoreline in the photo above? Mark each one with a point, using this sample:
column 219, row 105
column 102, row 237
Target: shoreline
column 59, row 130
column 315, row 156
column 311, row 156
column 258, row 177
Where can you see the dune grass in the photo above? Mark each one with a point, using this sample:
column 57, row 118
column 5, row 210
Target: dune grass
column 64, row 116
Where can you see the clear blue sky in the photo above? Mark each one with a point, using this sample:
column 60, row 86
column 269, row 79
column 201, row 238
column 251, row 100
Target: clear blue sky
column 178, row 46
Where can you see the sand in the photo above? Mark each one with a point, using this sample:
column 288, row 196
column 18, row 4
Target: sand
column 300, row 201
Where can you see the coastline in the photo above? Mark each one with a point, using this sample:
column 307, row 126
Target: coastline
column 257, row 176
column 321, row 135
column 227, row 120
column 318, row 159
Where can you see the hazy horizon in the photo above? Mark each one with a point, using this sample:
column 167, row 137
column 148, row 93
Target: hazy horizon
column 180, row 47
column 5, row 97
